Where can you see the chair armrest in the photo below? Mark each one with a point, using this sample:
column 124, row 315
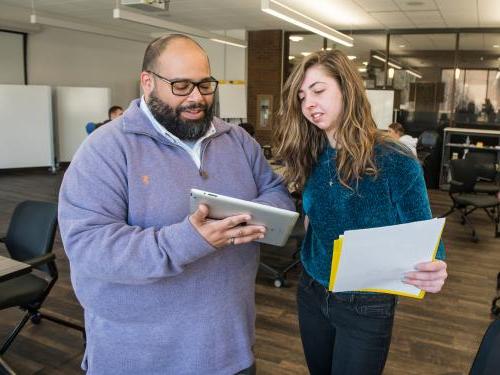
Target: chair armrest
column 456, row 183
column 35, row 262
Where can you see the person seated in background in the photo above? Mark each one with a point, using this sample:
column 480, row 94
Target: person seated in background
column 113, row 112
column 397, row 131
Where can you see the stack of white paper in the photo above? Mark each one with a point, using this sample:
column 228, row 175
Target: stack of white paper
column 376, row 259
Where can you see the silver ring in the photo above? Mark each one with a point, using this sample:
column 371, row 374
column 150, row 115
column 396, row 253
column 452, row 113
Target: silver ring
column 231, row 241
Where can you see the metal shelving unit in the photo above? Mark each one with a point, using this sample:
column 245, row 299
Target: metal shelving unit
column 449, row 144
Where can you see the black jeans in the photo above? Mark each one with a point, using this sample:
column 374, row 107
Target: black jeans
column 344, row 333
column 248, row 371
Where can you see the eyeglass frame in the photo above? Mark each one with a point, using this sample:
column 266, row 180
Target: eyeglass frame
column 195, row 84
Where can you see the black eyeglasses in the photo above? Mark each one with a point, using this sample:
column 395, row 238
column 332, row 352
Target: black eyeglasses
column 184, row 87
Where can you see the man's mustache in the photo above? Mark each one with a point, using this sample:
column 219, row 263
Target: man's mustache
column 192, row 106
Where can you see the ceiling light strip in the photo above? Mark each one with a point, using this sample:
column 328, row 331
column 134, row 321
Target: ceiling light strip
column 294, row 17
column 413, row 73
column 156, row 22
column 380, row 58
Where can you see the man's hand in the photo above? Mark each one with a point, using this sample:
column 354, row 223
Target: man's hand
column 228, row 231
column 429, row 276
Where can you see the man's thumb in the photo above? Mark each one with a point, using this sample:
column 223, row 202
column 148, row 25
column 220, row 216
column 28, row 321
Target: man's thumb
column 201, row 213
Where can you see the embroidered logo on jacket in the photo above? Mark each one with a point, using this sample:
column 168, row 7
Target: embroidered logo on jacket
column 145, row 180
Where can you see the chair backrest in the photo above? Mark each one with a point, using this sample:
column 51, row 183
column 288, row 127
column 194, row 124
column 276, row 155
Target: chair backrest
column 32, row 230
column 484, row 163
column 429, row 140
column 487, row 361
column 90, row 127
column 464, row 172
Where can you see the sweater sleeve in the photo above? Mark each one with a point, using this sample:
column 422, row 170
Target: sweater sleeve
column 271, row 188
column 409, row 193
column 93, row 212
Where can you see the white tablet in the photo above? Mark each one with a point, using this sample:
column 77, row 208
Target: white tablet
column 278, row 222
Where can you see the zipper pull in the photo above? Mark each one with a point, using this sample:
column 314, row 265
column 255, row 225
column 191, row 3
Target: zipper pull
column 203, row 174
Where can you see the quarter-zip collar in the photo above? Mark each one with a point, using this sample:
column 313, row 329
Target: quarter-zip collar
column 192, row 148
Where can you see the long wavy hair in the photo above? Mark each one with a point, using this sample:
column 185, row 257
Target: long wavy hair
column 299, row 143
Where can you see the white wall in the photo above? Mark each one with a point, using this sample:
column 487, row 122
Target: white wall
column 11, row 58
column 60, row 57
column 227, row 62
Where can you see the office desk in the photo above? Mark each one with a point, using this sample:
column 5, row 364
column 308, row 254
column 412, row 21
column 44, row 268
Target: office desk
column 10, row 268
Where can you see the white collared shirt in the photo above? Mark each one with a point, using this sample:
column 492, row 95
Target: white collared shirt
column 193, row 148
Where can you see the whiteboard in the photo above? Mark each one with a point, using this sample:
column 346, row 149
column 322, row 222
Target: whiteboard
column 75, row 107
column 232, row 101
column 382, row 103
column 26, row 132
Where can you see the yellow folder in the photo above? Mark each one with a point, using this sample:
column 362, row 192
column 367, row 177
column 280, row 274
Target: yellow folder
column 376, row 258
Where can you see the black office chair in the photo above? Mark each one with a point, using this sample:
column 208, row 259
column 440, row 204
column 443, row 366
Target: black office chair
column 29, row 239
column 280, row 275
column 487, row 172
column 427, row 143
column 487, row 361
column 463, row 179
column 297, row 236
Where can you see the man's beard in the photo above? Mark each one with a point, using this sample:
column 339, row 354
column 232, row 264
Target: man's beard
column 170, row 119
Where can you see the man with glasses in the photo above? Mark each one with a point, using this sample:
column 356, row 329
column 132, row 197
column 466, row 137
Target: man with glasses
column 165, row 292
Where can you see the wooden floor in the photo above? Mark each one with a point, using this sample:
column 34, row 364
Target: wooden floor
column 438, row 335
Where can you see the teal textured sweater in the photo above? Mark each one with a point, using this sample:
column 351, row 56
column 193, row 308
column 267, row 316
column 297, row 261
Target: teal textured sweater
column 397, row 195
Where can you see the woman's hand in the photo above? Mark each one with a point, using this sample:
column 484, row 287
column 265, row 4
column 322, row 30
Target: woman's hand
column 429, row 276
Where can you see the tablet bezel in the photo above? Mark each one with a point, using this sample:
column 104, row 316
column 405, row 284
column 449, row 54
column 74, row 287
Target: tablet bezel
column 279, row 222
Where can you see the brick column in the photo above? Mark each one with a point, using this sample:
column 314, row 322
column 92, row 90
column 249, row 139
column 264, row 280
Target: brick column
column 265, row 54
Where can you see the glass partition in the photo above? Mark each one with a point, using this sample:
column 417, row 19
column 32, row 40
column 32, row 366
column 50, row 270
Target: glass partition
column 300, row 45
column 477, row 80
column 422, row 58
column 429, row 91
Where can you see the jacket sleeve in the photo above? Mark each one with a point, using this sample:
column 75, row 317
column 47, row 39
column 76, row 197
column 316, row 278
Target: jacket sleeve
column 100, row 244
column 410, row 194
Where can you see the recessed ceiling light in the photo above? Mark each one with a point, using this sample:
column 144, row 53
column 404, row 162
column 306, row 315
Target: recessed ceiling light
column 291, row 57
column 365, row 63
column 296, row 38
column 362, row 70
column 351, row 57
column 402, row 45
column 305, row 53
column 496, row 45
column 328, row 48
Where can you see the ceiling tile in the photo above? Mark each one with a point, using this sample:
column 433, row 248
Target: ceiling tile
column 393, row 20
column 377, row 5
column 416, row 5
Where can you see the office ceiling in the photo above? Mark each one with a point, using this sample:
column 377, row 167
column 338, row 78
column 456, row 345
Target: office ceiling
column 341, row 14
column 218, row 15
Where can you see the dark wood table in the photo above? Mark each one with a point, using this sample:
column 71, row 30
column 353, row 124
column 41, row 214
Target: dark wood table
column 10, row 268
